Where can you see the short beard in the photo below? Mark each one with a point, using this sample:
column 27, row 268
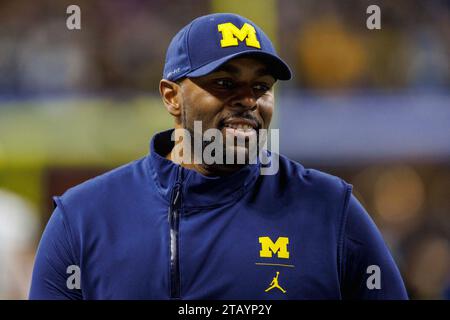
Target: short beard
column 205, row 143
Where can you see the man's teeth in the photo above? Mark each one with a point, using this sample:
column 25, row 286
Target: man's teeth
column 239, row 126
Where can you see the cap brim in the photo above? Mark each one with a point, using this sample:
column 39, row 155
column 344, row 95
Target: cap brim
column 277, row 67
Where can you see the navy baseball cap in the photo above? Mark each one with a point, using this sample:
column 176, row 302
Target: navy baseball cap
column 212, row 40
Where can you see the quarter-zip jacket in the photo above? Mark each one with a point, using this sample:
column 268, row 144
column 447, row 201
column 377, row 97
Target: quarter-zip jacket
column 152, row 229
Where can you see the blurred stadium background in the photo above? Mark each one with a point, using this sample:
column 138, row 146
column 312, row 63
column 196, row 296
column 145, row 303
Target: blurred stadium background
column 371, row 106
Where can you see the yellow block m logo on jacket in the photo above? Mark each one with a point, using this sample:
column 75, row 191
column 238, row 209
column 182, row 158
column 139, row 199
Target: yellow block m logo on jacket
column 231, row 34
column 279, row 247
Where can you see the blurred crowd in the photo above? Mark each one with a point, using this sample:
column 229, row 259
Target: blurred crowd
column 331, row 47
column 120, row 49
column 122, row 44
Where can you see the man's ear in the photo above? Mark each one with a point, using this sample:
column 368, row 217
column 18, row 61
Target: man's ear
column 171, row 96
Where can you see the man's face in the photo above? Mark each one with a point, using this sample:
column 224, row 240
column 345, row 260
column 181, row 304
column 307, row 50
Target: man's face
column 236, row 99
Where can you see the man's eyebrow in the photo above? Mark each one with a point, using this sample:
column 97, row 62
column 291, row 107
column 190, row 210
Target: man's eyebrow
column 263, row 71
column 228, row 68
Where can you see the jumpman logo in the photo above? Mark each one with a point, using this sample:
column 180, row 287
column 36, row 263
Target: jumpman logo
column 274, row 284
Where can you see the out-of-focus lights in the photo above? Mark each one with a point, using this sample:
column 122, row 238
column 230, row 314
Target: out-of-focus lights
column 398, row 194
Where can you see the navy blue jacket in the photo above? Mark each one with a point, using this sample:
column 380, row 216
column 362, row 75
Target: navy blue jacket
column 154, row 230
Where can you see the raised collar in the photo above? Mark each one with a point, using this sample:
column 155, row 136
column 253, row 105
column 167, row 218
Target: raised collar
column 198, row 190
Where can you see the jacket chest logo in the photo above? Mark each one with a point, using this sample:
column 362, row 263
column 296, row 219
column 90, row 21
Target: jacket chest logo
column 269, row 248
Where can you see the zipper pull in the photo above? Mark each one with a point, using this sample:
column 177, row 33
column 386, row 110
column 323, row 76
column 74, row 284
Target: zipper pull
column 176, row 199
column 175, row 202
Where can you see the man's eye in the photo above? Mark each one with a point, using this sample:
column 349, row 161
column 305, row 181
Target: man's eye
column 261, row 87
column 224, row 83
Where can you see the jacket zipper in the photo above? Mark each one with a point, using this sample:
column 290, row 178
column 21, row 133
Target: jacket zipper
column 174, row 222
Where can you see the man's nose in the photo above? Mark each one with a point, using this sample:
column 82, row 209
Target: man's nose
column 245, row 98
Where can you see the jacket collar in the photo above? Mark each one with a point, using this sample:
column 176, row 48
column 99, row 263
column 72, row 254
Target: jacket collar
column 197, row 190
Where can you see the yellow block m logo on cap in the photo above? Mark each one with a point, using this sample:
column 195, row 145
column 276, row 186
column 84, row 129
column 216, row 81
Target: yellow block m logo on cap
column 279, row 247
column 231, row 34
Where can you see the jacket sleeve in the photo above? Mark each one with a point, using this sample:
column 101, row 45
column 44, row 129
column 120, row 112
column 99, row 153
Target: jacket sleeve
column 53, row 257
column 369, row 271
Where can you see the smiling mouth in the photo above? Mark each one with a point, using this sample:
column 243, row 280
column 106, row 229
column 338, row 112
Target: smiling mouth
column 239, row 132
column 240, row 127
column 241, row 124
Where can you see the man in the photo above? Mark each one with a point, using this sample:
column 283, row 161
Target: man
column 175, row 226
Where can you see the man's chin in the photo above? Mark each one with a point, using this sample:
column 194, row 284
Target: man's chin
column 238, row 155
column 222, row 169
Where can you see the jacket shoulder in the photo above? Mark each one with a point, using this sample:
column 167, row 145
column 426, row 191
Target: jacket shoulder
column 309, row 177
column 108, row 185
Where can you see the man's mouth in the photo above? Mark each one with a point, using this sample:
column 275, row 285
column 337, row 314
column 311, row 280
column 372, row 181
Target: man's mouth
column 240, row 126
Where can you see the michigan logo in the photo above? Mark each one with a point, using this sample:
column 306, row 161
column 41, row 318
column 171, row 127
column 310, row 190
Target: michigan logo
column 268, row 247
column 232, row 34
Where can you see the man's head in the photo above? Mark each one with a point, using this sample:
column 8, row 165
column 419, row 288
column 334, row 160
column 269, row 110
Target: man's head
column 220, row 70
